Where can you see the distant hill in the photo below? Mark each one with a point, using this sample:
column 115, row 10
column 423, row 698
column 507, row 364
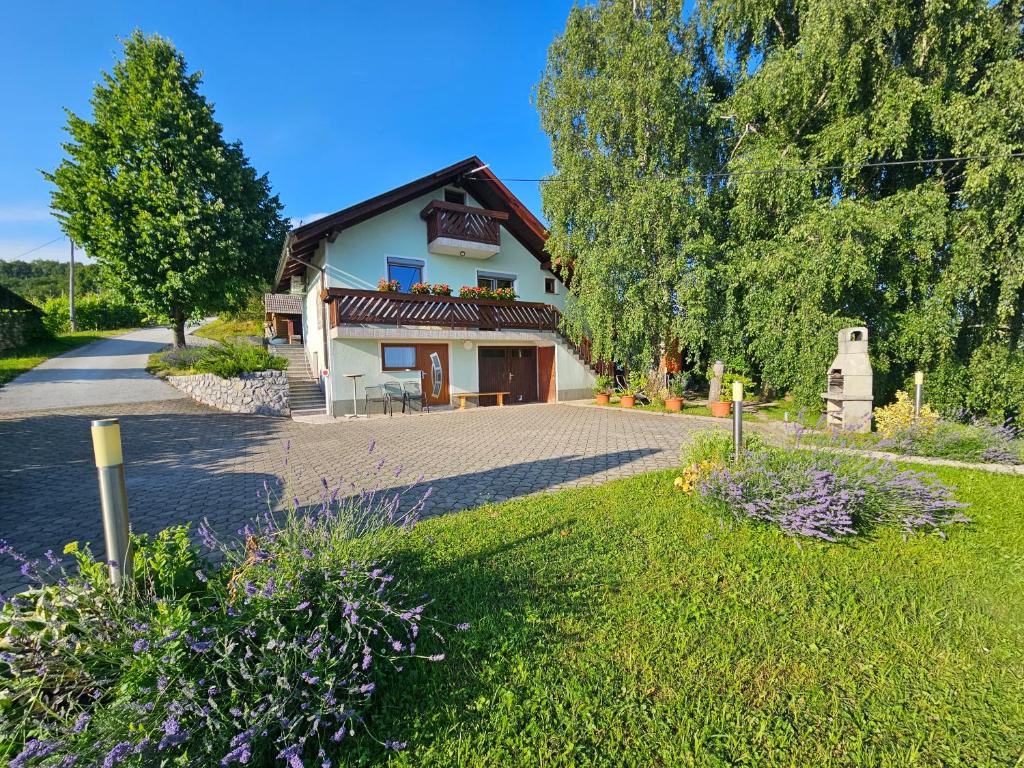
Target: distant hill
column 44, row 279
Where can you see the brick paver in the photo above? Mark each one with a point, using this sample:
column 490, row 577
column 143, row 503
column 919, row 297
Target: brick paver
column 186, row 462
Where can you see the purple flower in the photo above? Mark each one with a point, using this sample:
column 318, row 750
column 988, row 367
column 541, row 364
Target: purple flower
column 302, row 606
column 117, row 754
column 140, row 646
column 201, row 646
column 201, row 576
column 462, row 627
column 395, row 745
column 80, row 722
column 240, row 754
column 367, row 688
column 35, row 749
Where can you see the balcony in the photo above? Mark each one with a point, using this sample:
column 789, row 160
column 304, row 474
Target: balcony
column 354, row 307
column 460, row 230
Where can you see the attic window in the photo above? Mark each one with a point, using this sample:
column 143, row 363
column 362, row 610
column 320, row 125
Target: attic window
column 454, row 196
column 549, row 285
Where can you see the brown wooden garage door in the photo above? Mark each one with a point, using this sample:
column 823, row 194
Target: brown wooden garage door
column 508, row 369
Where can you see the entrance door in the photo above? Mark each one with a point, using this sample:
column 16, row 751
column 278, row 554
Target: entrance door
column 508, row 369
column 432, row 360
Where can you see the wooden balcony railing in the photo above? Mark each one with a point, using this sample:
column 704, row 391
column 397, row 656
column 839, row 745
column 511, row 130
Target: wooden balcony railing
column 349, row 306
column 461, row 222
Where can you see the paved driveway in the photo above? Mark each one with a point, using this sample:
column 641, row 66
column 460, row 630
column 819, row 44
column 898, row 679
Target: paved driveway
column 102, row 373
column 186, row 462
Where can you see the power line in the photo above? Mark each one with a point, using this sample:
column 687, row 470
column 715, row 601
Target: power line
column 38, row 247
column 808, row 168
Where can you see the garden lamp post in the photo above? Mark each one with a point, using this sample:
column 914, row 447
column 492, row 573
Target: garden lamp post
column 918, row 387
column 737, row 419
column 106, row 443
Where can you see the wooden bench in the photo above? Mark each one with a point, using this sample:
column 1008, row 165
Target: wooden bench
column 463, row 396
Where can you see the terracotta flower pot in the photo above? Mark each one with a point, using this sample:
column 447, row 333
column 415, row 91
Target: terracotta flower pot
column 627, row 401
column 674, row 403
column 720, row 409
column 602, row 398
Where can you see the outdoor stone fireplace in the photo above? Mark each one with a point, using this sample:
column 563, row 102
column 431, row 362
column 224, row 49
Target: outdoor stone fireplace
column 850, row 394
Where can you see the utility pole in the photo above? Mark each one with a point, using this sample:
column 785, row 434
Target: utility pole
column 71, row 289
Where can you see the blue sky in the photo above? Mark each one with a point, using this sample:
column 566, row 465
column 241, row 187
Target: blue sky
column 335, row 101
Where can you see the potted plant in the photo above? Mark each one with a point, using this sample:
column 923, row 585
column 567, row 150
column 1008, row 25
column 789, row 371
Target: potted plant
column 636, row 382
column 504, row 294
column 602, row 389
column 676, row 390
column 627, row 397
column 441, row 289
column 388, row 286
column 721, row 408
column 420, row 288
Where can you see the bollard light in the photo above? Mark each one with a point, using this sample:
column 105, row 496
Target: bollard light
column 106, row 445
column 918, row 388
column 737, row 419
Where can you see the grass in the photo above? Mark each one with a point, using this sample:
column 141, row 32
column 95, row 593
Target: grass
column 626, row 625
column 805, row 416
column 16, row 361
column 689, row 409
column 223, row 329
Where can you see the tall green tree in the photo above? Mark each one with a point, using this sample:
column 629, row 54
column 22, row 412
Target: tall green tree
column 177, row 217
column 925, row 254
column 627, row 107
column 796, row 111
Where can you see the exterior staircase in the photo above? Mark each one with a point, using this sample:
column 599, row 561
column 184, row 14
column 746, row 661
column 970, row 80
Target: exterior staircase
column 304, row 395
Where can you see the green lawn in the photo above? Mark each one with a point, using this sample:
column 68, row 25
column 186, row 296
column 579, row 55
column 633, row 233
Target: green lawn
column 624, row 625
column 222, row 329
column 14, row 362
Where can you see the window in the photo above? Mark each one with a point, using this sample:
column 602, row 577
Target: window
column 495, row 281
column 397, row 357
column 406, row 272
column 454, row 196
column 549, row 285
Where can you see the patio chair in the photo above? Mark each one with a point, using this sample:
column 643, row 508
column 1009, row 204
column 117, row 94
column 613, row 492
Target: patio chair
column 376, row 393
column 413, row 392
column 394, row 392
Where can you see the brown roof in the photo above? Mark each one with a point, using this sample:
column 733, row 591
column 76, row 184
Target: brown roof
column 469, row 174
column 13, row 302
column 283, row 303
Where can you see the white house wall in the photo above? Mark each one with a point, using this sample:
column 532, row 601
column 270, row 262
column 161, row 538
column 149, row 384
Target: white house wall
column 358, row 258
column 360, row 354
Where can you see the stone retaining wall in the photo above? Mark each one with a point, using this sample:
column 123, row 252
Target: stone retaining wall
column 264, row 393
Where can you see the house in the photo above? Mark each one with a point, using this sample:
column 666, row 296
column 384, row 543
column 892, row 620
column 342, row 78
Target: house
column 459, row 227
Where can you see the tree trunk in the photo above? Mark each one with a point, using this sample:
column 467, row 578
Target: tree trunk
column 179, row 328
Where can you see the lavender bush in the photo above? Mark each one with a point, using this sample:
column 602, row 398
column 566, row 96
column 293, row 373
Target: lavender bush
column 822, row 496
column 270, row 657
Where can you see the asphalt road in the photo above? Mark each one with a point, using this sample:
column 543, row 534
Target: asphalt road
column 105, row 372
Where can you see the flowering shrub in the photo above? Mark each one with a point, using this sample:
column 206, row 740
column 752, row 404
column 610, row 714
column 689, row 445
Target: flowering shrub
column 441, row 289
column 420, row 288
column 270, row 657
column 976, row 441
column 389, row 286
column 227, row 360
column 899, row 416
column 822, row 496
column 493, row 294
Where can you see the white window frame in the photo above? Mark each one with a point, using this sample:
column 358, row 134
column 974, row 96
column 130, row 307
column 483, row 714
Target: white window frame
column 487, row 273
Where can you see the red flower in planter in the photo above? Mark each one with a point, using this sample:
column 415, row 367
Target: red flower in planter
column 441, row 289
column 388, row 286
column 420, row 288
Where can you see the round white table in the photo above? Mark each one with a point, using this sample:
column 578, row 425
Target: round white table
column 355, row 398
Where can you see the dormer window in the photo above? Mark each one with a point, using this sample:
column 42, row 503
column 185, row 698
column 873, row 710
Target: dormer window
column 455, row 196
